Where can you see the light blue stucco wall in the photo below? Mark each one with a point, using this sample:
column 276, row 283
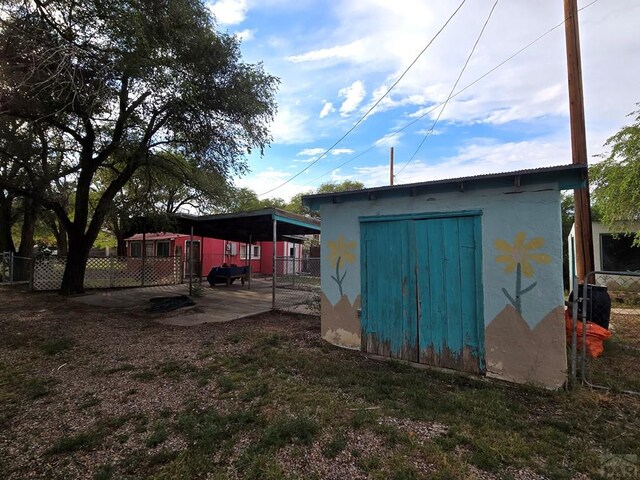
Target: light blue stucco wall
column 533, row 210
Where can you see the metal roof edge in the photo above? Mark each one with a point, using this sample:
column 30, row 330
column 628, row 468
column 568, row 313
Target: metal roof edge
column 575, row 171
column 314, row 222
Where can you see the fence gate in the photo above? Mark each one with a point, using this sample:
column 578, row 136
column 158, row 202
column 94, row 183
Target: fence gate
column 297, row 282
column 616, row 316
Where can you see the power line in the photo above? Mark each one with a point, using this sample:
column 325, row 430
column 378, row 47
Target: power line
column 373, row 106
column 459, row 92
column 464, row 67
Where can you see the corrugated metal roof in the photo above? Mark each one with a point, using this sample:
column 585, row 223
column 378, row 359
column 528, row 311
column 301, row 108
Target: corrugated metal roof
column 574, row 171
column 255, row 225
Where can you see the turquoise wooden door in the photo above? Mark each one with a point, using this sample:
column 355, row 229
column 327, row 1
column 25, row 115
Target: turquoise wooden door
column 422, row 291
column 449, row 288
column 389, row 320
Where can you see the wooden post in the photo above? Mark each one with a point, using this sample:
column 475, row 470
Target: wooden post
column 584, row 238
column 391, row 167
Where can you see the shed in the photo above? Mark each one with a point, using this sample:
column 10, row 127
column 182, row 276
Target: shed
column 462, row 273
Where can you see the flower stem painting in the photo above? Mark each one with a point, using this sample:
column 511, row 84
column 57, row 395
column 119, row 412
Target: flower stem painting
column 340, row 251
column 519, row 257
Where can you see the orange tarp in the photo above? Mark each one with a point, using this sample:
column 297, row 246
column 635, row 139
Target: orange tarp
column 596, row 335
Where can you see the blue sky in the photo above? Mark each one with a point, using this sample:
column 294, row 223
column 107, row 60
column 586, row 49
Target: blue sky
column 336, row 58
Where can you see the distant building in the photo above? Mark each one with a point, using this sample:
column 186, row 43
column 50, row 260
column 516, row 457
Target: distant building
column 213, row 252
column 612, row 252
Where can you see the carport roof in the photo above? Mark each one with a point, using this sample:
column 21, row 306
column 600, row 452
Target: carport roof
column 257, row 225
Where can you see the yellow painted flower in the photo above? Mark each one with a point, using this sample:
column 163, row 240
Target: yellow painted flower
column 521, row 253
column 341, row 249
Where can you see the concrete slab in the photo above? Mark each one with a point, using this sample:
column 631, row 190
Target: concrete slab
column 217, row 304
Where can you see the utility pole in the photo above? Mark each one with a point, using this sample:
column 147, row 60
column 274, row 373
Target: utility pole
column 391, row 168
column 584, row 238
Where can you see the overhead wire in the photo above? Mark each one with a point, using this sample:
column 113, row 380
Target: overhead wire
column 363, row 117
column 459, row 92
column 444, row 105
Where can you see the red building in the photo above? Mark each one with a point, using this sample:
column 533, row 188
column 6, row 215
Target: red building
column 213, row 252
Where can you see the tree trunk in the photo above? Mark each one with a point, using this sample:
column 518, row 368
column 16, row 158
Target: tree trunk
column 82, row 232
column 6, row 222
column 118, row 232
column 61, row 238
column 73, row 278
column 28, row 228
column 122, row 245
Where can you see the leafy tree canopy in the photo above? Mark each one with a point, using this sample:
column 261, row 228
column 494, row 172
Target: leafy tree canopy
column 246, row 200
column 617, row 180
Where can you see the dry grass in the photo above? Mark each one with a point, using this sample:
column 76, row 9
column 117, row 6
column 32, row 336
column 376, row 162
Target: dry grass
column 619, row 366
column 95, row 393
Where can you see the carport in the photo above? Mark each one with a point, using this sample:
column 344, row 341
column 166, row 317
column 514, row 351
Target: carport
column 270, row 224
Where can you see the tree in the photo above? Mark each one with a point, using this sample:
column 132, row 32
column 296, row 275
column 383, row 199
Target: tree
column 246, row 200
column 166, row 185
column 617, row 180
column 123, row 81
column 330, row 187
column 296, row 205
column 29, row 158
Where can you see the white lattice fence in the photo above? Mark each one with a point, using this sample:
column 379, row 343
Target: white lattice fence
column 110, row 272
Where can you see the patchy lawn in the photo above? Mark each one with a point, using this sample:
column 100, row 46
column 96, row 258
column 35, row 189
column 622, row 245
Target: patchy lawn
column 619, row 366
column 95, row 393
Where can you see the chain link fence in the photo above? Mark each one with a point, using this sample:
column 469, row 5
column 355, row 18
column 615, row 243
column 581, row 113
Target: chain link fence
column 14, row 269
column 297, row 283
column 110, row 272
column 606, row 339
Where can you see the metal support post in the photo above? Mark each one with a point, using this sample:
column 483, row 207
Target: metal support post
column 191, row 262
column 273, row 275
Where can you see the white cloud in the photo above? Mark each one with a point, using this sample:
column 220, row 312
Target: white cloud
column 229, row 12
column 290, row 126
column 429, row 132
column 245, row 35
column 310, row 152
column 338, row 52
column 353, row 95
column 314, row 153
column 327, row 108
column 389, row 140
column 276, row 42
column 341, row 151
column 270, row 178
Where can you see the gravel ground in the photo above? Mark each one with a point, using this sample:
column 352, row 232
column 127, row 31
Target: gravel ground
column 95, row 379
column 120, row 374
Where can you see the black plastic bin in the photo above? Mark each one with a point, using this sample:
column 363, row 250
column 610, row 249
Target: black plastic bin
column 598, row 304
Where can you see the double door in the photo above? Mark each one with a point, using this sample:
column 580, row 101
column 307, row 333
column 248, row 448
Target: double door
column 422, row 290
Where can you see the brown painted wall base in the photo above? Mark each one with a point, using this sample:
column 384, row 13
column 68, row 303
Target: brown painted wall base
column 517, row 353
column 340, row 324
